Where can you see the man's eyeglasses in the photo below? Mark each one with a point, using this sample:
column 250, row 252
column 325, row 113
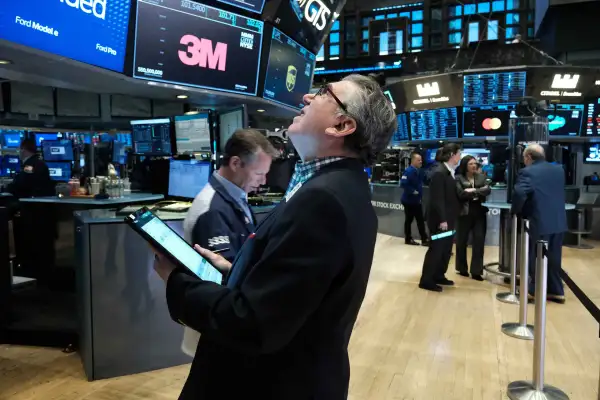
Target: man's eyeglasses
column 326, row 89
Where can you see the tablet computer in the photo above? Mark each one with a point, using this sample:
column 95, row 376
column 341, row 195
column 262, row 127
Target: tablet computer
column 166, row 240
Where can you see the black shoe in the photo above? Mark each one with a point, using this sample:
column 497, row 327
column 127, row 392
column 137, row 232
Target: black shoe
column 556, row 298
column 465, row 274
column 477, row 278
column 411, row 242
column 445, row 282
column 432, row 288
column 425, row 243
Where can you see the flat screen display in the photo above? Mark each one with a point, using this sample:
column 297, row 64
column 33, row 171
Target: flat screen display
column 488, row 89
column 437, row 124
column 592, row 122
column 565, row 83
column 307, row 21
column 90, row 31
column 40, row 137
column 592, row 153
column 482, row 155
column 57, row 150
column 11, row 139
column 187, row 177
column 187, row 43
column 192, row 133
column 60, row 171
column 485, row 121
column 152, row 137
column 9, row 165
column 431, row 92
column 565, row 119
column 119, row 156
column 255, row 6
column 401, row 134
column 289, row 72
column 229, row 122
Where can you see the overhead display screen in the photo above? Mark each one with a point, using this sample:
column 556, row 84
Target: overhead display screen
column 562, row 83
column 187, row 43
column 401, row 134
column 488, row 89
column 565, row 119
column 289, row 72
column 438, row 124
column 487, row 121
column 90, row 31
column 592, row 124
column 307, row 21
column 433, row 92
column 249, row 5
column 192, row 133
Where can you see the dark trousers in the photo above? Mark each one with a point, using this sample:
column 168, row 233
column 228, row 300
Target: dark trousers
column 555, row 241
column 413, row 211
column 475, row 223
column 436, row 260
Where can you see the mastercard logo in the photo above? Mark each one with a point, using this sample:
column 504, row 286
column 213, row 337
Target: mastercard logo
column 491, row 124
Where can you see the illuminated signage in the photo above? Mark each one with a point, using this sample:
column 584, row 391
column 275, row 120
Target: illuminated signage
column 389, row 96
column 566, row 82
column 315, row 12
column 429, row 90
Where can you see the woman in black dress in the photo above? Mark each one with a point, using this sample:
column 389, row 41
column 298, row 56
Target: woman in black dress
column 472, row 190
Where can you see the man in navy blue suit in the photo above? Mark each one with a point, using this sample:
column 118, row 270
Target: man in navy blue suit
column 412, row 183
column 539, row 196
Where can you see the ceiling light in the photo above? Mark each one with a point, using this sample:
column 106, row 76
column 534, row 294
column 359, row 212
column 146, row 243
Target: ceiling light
column 5, row 62
column 194, row 112
column 182, row 96
column 260, row 110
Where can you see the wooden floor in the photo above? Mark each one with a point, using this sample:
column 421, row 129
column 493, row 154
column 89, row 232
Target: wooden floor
column 407, row 344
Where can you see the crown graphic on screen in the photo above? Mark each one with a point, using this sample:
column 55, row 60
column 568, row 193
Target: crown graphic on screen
column 565, row 81
column 428, row 89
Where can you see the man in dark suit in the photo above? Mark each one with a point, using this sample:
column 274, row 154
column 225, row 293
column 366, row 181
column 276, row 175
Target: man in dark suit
column 442, row 212
column 412, row 183
column 34, row 178
column 539, row 196
column 280, row 327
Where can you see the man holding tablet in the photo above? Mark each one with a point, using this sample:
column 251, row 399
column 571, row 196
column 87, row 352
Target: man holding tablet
column 280, row 325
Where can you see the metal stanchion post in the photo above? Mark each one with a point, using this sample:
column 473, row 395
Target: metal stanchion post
column 522, row 390
column 521, row 330
column 511, row 297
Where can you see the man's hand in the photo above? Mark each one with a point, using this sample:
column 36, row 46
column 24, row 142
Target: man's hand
column 444, row 226
column 470, row 190
column 218, row 261
column 163, row 266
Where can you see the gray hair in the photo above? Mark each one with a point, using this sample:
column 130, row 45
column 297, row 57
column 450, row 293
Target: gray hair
column 374, row 115
column 535, row 151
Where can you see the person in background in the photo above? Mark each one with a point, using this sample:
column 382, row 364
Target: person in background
column 539, row 196
column 442, row 211
column 220, row 218
column 34, row 178
column 412, row 183
column 472, row 191
column 280, row 326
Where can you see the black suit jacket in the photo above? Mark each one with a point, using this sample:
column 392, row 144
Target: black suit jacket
column 280, row 327
column 443, row 205
column 482, row 190
column 539, row 195
column 33, row 180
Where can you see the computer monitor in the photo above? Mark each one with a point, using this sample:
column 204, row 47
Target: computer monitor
column 9, row 165
column 152, row 137
column 60, row 171
column 187, row 177
column 229, row 122
column 482, row 155
column 57, row 150
column 12, row 139
column 40, row 137
column 192, row 133
column 119, row 156
column 592, row 153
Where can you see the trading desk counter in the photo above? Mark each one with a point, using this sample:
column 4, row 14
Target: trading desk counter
column 90, row 202
column 124, row 323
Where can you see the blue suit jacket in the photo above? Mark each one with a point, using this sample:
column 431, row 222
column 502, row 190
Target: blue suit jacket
column 539, row 195
column 412, row 181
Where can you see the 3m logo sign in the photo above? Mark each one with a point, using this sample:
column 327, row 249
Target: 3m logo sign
column 200, row 52
column 428, row 89
column 565, row 81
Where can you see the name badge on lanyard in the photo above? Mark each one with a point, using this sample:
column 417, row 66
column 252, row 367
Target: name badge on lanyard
column 292, row 192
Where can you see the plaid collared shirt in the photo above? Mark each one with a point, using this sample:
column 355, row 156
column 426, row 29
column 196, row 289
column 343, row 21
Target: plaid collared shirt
column 306, row 170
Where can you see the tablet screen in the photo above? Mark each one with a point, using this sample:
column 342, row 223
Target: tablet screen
column 178, row 247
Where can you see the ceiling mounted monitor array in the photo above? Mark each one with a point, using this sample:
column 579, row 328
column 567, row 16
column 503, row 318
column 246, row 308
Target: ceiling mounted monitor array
column 440, row 124
column 255, row 6
column 402, row 133
column 493, row 88
column 565, row 120
column 90, row 31
column 289, row 71
column 592, row 122
column 437, row 91
column 188, row 43
column 192, row 133
column 485, row 121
